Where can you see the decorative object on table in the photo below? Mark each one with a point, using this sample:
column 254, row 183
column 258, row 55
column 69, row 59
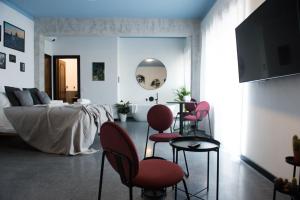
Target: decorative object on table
column 12, row 58
column 2, row 60
column 151, row 74
column 22, row 67
column 123, row 109
column 286, row 187
column 183, row 95
column 98, row 71
column 14, row 37
column 296, row 149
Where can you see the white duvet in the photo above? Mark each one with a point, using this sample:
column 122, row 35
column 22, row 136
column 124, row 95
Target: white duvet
column 67, row 130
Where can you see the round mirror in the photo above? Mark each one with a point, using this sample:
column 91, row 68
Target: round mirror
column 151, row 74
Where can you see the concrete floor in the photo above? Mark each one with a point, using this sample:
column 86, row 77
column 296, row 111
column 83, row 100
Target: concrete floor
column 28, row 174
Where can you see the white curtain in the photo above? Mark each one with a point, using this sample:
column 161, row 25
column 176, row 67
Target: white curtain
column 219, row 71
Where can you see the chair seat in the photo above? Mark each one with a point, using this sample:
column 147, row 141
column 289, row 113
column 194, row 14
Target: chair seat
column 157, row 174
column 190, row 118
column 164, row 137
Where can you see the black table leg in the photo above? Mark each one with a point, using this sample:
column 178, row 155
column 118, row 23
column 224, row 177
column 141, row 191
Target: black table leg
column 217, row 192
column 207, row 171
column 180, row 119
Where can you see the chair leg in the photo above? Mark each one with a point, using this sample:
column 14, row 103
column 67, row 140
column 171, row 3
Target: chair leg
column 130, row 193
column 175, row 123
column 186, row 165
column 146, row 142
column 274, row 194
column 209, row 125
column 186, row 190
column 153, row 151
column 176, row 192
column 101, row 175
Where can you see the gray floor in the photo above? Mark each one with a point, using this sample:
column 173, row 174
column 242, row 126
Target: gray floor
column 28, row 174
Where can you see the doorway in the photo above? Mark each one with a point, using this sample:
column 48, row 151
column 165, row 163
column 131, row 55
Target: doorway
column 48, row 75
column 66, row 78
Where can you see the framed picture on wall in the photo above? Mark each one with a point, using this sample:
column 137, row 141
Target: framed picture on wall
column 22, row 67
column 2, row 60
column 98, row 71
column 14, row 37
column 12, row 58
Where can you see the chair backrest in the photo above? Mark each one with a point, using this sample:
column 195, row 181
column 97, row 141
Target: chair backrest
column 190, row 107
column 120, row 151
column 160, row 117
column 202, row 109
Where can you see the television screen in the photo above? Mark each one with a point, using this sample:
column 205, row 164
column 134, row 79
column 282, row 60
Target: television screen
column 268, row 41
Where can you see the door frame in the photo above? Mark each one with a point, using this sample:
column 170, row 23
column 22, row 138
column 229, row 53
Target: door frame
column 51, row 75
column 55, row 59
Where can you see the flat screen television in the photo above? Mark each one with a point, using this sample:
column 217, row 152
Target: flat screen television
column 268, row 41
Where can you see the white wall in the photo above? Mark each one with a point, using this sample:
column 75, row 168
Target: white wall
column 12, row 76
column 49, row 47
column 132, row 51
column 271, row 117
column 93, row 49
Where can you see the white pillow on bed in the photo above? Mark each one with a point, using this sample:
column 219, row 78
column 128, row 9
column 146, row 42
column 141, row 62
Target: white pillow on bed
column 5, row 126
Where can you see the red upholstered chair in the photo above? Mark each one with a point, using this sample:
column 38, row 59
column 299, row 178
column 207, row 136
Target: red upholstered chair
column 160, row 118
column 152, row 174
column 189, row 108
column 201, row 111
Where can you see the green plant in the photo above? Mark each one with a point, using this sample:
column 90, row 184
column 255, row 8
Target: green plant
column 181, row 93
column 122, row 107
column 296, row 143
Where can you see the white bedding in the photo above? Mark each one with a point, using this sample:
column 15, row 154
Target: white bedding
column 5, row 125
column 67, row 130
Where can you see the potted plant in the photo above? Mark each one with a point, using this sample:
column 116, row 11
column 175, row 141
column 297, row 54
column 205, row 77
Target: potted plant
column 183, row 94
column 296, row 149
column 123, row 109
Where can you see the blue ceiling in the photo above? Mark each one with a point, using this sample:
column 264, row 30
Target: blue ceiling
column 170, row 9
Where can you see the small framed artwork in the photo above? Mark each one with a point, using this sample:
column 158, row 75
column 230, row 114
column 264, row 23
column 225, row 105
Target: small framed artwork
column 12, row 58
column 14, row 37
column 98, row 71
column 2, row 60
column 22, row 67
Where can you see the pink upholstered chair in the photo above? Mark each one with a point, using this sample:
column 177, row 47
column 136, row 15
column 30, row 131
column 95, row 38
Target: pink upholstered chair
column 201, row 111
column 160, row 118
column 152, row 173
column 189, row 108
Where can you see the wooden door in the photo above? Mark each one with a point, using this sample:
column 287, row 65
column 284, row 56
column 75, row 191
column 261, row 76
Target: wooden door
column 48, row 85
column 61, row 80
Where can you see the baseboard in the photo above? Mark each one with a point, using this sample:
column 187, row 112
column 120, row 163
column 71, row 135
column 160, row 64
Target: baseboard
column 258, row 168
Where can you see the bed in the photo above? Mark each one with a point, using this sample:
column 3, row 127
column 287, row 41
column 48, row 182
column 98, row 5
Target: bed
column 59, row 129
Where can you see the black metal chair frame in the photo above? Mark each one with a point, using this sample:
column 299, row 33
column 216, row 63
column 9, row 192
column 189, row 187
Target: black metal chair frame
column 187, row 173
column 209, row 125
column 120, row 158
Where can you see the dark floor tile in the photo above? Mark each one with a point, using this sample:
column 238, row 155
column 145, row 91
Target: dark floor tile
column 26, row 173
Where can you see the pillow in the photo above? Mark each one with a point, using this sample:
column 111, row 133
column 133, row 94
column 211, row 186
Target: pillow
column 24, row 98
column 11, row 95
column 34, row 95
column 44, row 98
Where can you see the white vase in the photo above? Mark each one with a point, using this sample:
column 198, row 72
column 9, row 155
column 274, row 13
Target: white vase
column 123, row 117
column 187, row 98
